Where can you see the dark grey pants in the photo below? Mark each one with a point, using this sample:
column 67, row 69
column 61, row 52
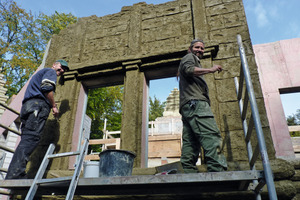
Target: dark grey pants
column 34, row 114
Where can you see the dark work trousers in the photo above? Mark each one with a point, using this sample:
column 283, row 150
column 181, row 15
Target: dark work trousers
column 34, row 113
column 200, row 130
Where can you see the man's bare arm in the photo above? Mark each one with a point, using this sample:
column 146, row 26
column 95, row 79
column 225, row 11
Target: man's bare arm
column 202, row 71
column 50, row 97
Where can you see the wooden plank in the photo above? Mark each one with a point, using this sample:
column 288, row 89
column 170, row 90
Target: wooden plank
column 294, row 128
column 164, row 137
column 118, row 143
column 113, row 132
column 296, row 148
column 165, row 148
column 168, row 154
column 92, row 157
column 102, row 141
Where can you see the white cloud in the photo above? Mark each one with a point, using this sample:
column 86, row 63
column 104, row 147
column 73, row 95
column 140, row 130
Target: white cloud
column 273, row 11
column 261, row 15
column 293, row 30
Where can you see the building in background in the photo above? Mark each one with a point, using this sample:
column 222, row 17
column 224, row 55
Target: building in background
column 279, row 71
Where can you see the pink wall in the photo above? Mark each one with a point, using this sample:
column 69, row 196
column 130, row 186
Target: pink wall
column 80, row 112
column 279, row 68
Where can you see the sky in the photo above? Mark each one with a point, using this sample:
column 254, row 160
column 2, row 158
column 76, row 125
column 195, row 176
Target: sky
column 268, row 21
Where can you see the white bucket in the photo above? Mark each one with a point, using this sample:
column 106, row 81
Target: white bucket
column 91, row 169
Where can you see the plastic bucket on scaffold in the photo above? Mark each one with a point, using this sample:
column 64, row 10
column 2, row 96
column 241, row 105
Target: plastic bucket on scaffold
column 115, row 162
column 91, row 169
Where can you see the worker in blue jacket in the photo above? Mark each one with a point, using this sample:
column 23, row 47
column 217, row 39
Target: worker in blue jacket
column 36, row 106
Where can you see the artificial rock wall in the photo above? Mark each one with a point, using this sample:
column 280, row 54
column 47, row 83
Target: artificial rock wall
column 145, row 42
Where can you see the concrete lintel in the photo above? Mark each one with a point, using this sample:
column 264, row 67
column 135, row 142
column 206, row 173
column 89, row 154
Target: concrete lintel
column 159, row 66
column 132, row 62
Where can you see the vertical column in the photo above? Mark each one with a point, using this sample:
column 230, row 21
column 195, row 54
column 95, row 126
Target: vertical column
column 199, row 20
column 133, row 137
column 145, row 122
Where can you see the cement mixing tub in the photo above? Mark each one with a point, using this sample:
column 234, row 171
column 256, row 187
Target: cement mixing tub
column 115, row 162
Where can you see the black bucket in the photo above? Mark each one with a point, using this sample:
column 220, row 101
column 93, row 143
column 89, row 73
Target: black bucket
column 115, row 162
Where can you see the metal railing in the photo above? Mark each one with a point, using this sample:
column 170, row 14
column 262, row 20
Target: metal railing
column 254, row 122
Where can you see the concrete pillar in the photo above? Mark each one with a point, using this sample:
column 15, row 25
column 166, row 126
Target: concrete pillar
column 134, row 119
column 199, row 20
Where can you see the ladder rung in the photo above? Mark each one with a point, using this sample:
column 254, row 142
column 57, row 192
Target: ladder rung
column 250, row 128
column 10, row 129
column 240, row 83
column 7, row 107
column 3, row 170
column 254, row 156
column 245, row 105
column 260, row 185
column 73, row 153
column 6, row 149
column 4, row 192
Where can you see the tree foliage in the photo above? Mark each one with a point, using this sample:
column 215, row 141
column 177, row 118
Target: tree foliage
column 294, row 119
column 156, row 108
column 291, row 120
column 15, row 45
column 50, row 25
column 104, row 103
column 23, row 39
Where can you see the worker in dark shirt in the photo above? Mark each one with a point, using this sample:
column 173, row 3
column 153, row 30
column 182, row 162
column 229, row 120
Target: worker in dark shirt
column 36, row 105
column 199, row 126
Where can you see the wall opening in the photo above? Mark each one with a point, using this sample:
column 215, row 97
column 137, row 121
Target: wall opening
column 104, row 107
column 164, row 134
column 291, row 107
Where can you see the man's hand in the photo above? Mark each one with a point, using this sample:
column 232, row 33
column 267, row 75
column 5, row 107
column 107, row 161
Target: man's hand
column 217, row 68
column 55, row 112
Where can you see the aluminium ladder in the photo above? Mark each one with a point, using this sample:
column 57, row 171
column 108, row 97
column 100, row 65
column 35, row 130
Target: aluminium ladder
column 74, row 179
column 254, row 122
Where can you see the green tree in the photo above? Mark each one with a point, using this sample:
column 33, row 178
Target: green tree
column 294, row 119
column 53, row 24
column 23, row 39
column 15, row 23
column 104, row 103
column 291, row 120
column 156, row 108
column 297, row 115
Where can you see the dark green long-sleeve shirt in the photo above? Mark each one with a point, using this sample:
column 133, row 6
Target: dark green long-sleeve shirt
column 190, row 86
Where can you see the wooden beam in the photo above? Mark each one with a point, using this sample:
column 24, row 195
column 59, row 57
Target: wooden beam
column 294, row 128
column 164, row 137
column 92, row 157
column 102, row 141
column 169, row 154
